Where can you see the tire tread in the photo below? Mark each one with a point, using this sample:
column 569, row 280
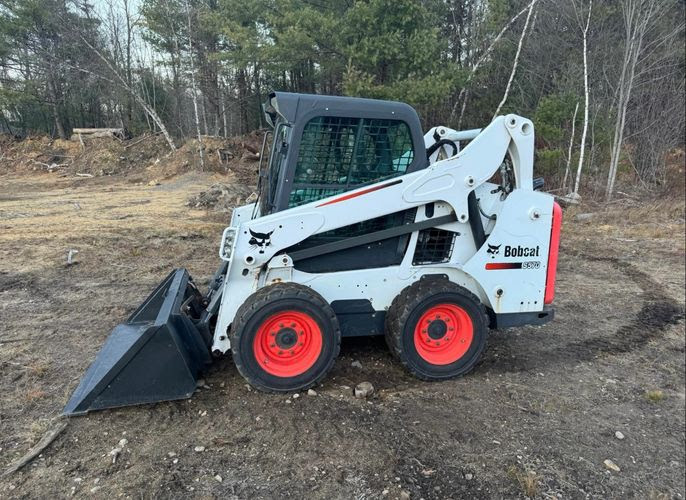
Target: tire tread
column 405, row 302
column 264, row 296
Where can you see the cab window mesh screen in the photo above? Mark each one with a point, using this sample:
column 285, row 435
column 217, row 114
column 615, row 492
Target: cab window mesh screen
column 340, row 154
column 433, row 246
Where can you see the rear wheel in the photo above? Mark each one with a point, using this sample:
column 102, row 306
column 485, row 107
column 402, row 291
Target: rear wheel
column 285, row 338
column 437, row 329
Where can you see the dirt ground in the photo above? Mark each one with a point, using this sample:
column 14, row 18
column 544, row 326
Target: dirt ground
column 538, row 417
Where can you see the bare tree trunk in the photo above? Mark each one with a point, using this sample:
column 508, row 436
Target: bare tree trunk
column 54, row 107
column 637, row 16
column 569, row 152
column 582, row 146
column 222, row 95
column 129, row 76
column 195, row 92
column 258, row 93
column 203, row 113
column 136, row 96
column 516, row 59
column 464, row 91
column 241, row 82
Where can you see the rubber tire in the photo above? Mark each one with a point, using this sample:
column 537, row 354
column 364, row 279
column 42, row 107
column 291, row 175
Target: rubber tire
column 267, row 301
column 407, row 308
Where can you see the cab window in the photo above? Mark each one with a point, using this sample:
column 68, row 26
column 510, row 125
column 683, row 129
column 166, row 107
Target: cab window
column 338, row 154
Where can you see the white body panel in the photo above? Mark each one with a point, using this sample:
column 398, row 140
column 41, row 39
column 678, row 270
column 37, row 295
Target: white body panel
column 523, row 222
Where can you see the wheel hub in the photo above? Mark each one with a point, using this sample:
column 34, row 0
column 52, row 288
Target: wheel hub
column 437, row 329
column 286, row 338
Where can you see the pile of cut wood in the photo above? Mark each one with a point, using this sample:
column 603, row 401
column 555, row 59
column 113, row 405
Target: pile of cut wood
column 79, row 134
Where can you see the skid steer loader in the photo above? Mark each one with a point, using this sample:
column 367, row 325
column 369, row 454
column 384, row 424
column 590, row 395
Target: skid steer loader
column 363, row 226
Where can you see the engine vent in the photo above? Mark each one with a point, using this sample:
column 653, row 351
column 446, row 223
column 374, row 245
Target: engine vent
column 433, row 246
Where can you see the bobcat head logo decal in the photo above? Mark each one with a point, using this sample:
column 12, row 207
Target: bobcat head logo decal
column 260, row 240
column 493, row 250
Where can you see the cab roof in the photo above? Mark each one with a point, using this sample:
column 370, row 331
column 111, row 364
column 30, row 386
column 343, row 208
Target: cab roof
column 292, row 107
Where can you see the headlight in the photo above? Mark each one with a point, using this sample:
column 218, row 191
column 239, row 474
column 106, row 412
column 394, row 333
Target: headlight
column 228, row 241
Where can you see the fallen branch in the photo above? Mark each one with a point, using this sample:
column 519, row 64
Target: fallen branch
column 83, row 175
column 144, row 138
column 50, row 165
column 45, row 441
column 11, row 341
column 109, row 131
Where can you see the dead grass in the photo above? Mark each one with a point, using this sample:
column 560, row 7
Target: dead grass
column 658, row 495
column 34, row 395
column 39, row 369
column 37, row 429
column 654, row 395
column 630, row 224
column 528, row 480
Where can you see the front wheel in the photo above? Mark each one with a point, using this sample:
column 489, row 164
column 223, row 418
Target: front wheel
column 437, row 329
column 285, row 338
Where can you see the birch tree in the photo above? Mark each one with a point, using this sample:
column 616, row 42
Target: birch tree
column 121, row 81
column 194, row 88
column 638, row 16
column 464, row 92
column 582, row 146
column 516, row 59
column 569, row 152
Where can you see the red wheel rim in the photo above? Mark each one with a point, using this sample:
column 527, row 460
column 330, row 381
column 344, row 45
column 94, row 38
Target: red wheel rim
column 287, row 343
column 443, row 334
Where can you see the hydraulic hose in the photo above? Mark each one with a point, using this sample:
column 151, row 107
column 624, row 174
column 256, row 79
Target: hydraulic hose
column 475, row 220
column 442, row 142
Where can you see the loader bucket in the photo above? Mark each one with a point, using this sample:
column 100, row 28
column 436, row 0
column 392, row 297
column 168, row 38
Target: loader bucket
column 157, row 355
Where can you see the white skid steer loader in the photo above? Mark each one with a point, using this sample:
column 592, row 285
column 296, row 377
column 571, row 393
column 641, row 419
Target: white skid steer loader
column 363, row 226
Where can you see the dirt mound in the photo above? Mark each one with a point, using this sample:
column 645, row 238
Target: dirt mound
column 35, row 153
column 222, row 197
column 219, row 154
column 97, row 157
column 148, row 155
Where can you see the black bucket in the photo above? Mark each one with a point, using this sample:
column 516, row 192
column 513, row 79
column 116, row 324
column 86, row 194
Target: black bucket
column 157, row 355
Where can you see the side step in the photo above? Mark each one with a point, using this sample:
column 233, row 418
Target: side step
column 157, row 355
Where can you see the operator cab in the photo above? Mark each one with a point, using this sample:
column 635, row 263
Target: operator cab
column 324, row 145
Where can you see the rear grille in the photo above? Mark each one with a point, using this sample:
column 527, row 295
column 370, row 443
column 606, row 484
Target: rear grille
column 433, row 246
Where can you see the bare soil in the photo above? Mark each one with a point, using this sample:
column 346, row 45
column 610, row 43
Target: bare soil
column 536, row 418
